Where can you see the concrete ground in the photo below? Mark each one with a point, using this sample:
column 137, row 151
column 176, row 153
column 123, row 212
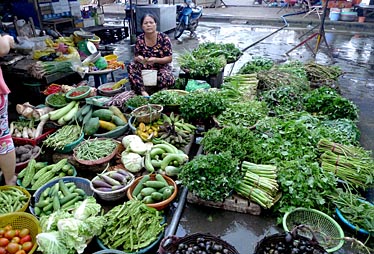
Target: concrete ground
column 240, row 11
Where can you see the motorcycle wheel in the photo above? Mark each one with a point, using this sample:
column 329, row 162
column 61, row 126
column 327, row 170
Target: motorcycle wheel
column 179, row 30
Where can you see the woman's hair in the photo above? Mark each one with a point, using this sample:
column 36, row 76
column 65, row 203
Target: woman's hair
column 148, row 15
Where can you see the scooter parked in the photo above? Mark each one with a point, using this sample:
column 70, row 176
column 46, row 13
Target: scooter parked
column 188, row 16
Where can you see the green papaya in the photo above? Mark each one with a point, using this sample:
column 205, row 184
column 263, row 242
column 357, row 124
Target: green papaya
column 92, row 126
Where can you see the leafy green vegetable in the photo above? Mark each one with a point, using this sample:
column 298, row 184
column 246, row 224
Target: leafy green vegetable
column 283, row 100
column 326, row 101
column 304, row 184
column 243, row 113
column 201, row 66
column 136, row 101
column 258, row 63
column 237, row 140
column 201, row 105
column 70, row 231
column 166, row 97
column 212, row 49
column 343, row 131
column 212, row 176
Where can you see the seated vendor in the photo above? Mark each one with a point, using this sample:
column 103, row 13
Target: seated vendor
column 152, row 52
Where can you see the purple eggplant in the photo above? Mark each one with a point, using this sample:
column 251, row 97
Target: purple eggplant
column 119, row 177
column 117, row 187
column 122, row 172
column 97, row 183
column 104, row 189
column 110, row 180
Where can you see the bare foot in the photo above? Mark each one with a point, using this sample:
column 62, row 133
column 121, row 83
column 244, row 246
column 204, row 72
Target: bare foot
column 12, row 181
column 144, row 93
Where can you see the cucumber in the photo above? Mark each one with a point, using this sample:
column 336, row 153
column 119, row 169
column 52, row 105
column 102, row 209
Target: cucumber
column 140, row 186
column 103, row 114
column 148, row 200
column 156, row 184
column 160, row 178
column 157, row 196
column 147, row 191
column 167, row 193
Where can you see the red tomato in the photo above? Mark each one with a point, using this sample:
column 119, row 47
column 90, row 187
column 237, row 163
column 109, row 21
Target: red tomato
column 21, row 252
column 27, row 246
column 2, row 231
column 24, row 232
column 4, row 242
column 17, row 232
column 24, row 239
column 10, row 234
column 12, row 248
column 15, row 239
column 2, row 250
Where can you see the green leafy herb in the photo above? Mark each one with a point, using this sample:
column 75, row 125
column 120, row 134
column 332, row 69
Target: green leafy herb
column 326, row 101
column 235, row 139
column 201, row 105
column 212, row 176
column 258, row 63
column 136, row 101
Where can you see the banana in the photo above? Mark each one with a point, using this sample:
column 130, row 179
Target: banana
column 172, row 117
column 183, row 126
column 166, row 119
column 190, row 126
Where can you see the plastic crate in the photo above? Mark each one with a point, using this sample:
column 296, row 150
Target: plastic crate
column 33, row 142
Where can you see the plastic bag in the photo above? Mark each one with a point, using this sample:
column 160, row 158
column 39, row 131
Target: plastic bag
column 193, row 85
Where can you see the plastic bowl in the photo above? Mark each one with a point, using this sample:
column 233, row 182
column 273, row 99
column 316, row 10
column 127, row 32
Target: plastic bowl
column 92, row 58
column 63, row 103
column 104, row 89
column 111, row 58
column 68, row 148
column 83, row 91
column 160, row 205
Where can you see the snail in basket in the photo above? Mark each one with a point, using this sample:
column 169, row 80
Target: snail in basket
column 201, row 245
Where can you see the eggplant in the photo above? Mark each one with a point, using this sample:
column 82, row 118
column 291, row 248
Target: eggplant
column 119, row 177
column 104, row 189
column 97, row 183
column 123, row 172
column 110, row 180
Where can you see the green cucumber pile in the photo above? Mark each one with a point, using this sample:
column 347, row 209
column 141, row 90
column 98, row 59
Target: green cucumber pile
column 59, row 196
column 152, row 191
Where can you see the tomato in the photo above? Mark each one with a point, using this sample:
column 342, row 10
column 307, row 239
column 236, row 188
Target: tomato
column 2, row 231
column 12, row 248
column 24, row 232
column 27, row 246
column 24, row 239
column 4, row 242
column 16, row 239
column 17, row 232
column 21, row 252
column 10, row 234
column 2, row 250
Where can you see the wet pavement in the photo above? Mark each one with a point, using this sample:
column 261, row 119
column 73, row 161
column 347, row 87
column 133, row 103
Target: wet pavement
column 353, row 52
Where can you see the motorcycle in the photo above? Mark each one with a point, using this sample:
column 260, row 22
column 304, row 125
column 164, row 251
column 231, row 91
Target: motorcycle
column 188, row 16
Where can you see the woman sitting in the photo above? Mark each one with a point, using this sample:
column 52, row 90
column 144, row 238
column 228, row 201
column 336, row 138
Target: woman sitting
column 152, row 52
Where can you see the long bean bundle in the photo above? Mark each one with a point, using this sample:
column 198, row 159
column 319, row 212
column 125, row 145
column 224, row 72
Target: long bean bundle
column 259, row 183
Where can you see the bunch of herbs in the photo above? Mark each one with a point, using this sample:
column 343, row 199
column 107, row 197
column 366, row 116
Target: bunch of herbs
column 201, row 66
column 283, row 100
column 304, row 184
column 166, row 97
column 244, row 114
column 237, row 140
column 202, row 105
column 258, row 63
column 212, row 49
column 326, row 101
column 212, row 176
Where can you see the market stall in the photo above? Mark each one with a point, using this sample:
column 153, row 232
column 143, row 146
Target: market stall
column 273, row 138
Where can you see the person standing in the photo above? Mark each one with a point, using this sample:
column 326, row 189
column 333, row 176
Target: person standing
column 7, row 151
column 153, row 51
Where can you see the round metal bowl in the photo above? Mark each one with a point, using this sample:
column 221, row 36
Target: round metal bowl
column 92, row 58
